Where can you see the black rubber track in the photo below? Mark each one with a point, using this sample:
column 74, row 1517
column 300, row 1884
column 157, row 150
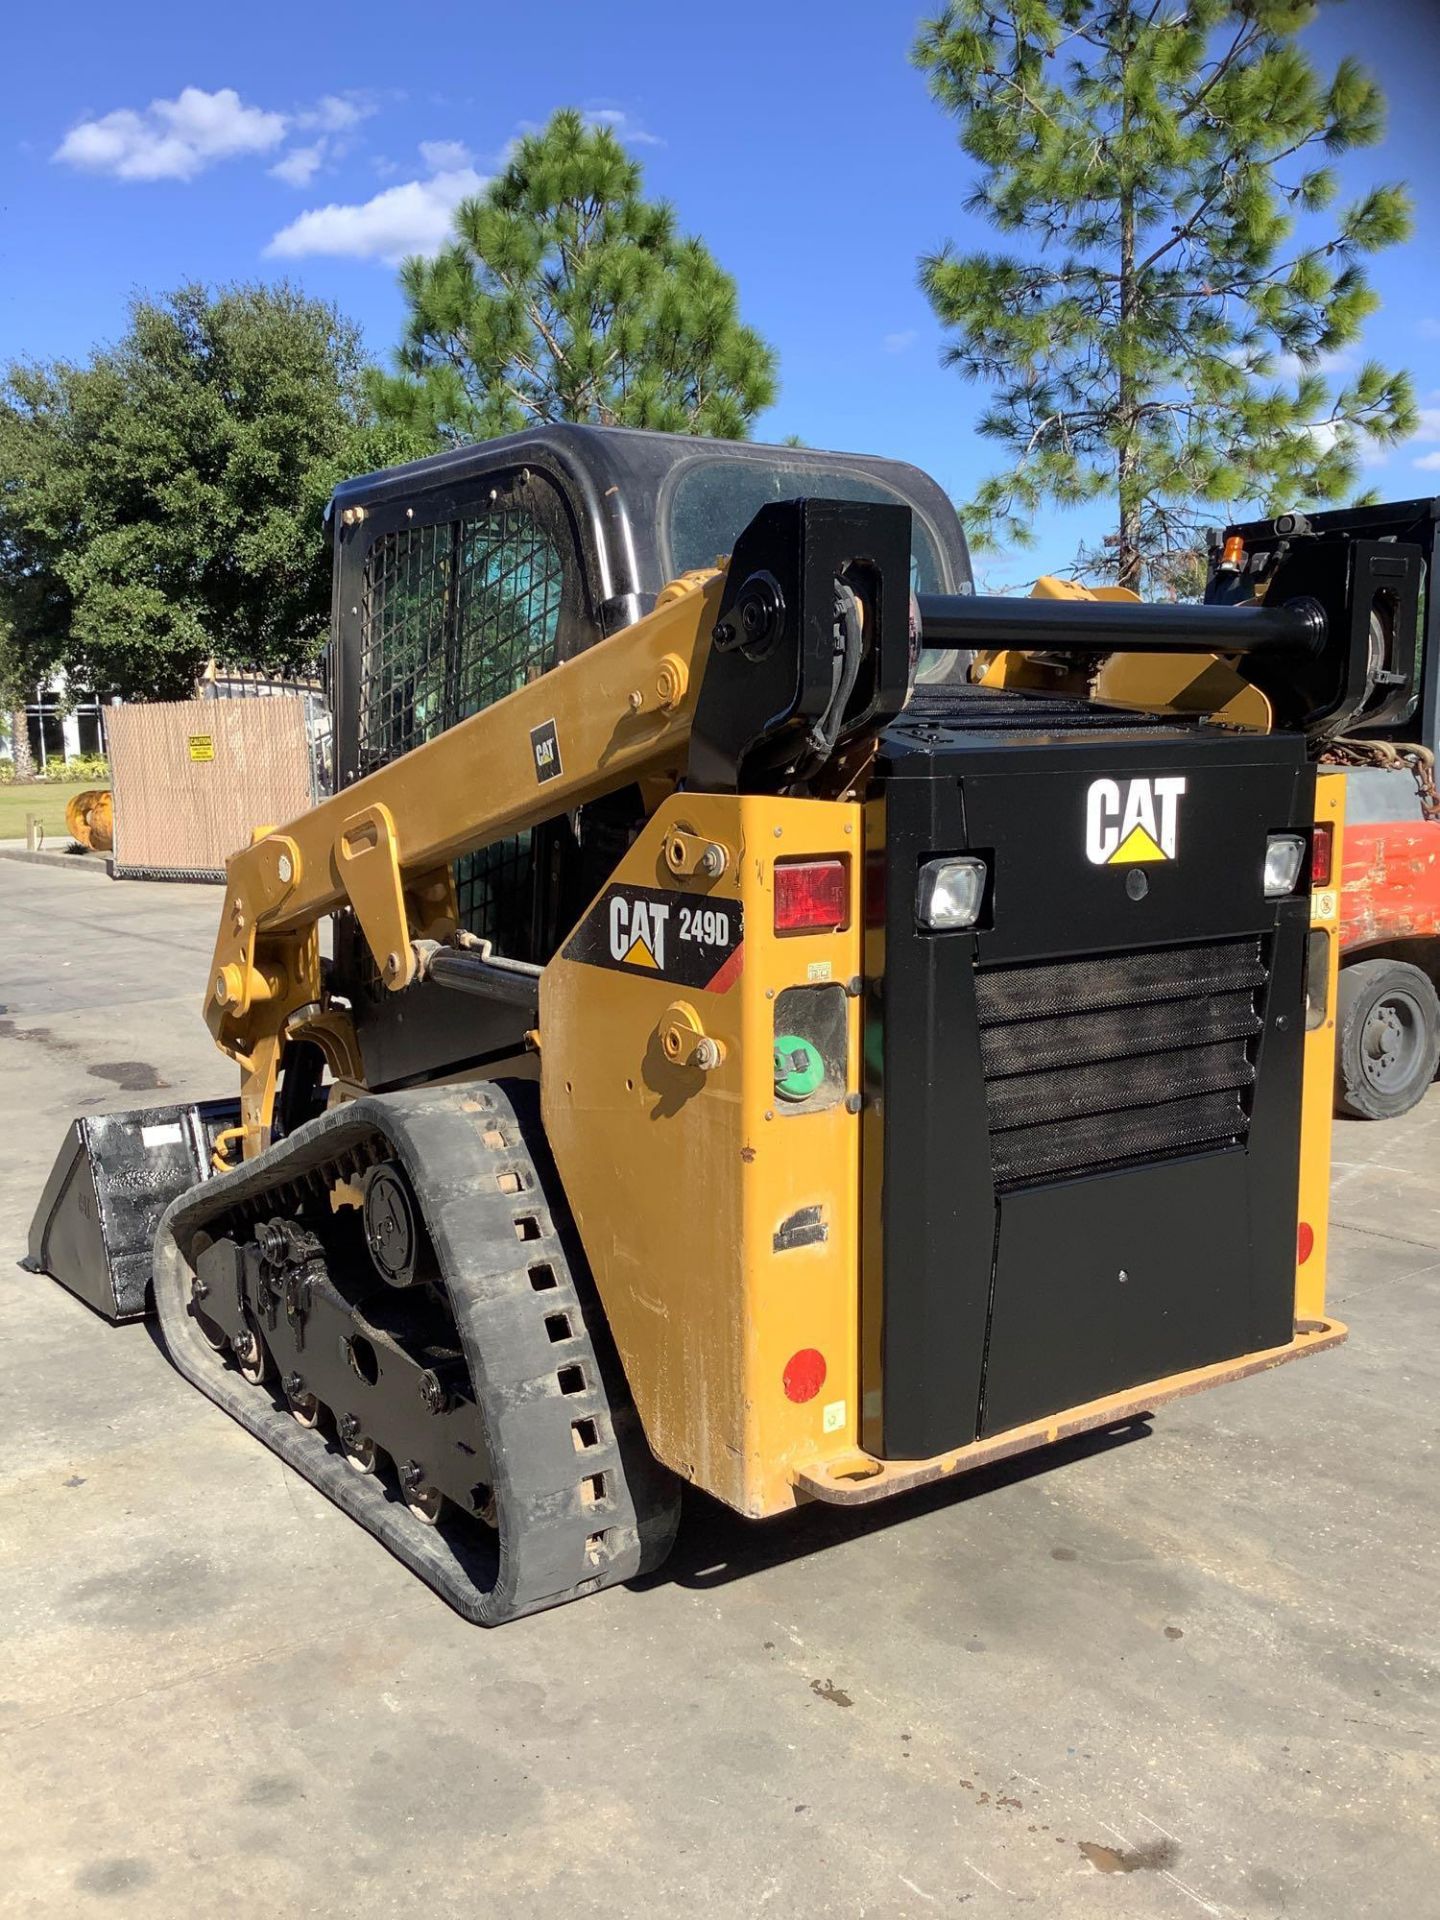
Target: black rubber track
column 457, row 1143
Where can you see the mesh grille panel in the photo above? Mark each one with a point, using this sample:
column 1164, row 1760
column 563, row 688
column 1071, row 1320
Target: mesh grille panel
column 1099, row 1063
column 455, row 617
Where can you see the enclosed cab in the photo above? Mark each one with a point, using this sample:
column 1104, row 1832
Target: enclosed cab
column 461, row 578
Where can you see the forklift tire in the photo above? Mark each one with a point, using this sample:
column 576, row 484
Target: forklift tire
column 1388, row 1039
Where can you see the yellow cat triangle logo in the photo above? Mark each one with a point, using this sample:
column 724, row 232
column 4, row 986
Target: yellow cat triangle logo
column 639, row 955
column 1135, row 847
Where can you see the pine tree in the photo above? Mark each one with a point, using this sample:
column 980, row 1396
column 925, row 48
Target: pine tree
column 1177, row 298
column 565, row 295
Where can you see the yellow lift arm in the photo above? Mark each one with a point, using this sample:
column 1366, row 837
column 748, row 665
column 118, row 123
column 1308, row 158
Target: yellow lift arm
column 619, row 712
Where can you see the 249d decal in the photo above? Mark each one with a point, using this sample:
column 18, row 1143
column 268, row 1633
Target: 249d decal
column 695, row 943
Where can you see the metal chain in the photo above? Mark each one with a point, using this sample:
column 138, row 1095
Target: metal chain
column 1419, row 761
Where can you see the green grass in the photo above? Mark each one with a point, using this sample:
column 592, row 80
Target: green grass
column 45, row 797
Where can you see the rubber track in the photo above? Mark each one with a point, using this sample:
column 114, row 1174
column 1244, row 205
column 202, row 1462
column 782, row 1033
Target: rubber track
column 547, row 1552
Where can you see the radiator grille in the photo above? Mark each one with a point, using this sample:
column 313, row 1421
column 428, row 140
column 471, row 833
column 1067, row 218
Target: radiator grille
column 1092, row 1064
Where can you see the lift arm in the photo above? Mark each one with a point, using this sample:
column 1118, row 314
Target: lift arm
column 383, row 847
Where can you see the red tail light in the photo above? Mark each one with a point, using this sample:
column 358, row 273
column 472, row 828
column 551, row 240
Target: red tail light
column 1322, row 854
column 812, row 896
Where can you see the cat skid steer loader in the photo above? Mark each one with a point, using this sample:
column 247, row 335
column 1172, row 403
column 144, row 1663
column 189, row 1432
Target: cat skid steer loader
column 749, row 1052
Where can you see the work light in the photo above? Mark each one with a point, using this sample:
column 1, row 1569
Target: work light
column 950, row 892
column 1283, row 855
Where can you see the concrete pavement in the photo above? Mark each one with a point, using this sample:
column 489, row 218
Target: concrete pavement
column 1194, row 1672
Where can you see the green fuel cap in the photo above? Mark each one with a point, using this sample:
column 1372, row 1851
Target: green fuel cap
column 799, row 1067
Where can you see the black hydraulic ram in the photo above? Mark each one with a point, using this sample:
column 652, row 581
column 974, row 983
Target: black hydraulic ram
column 1331, row 644
column 1295, row 630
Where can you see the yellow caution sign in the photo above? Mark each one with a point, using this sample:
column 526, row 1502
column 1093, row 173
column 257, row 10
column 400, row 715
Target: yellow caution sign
column 202, row 746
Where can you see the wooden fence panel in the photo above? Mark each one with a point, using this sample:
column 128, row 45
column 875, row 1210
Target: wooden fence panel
column 193, row 778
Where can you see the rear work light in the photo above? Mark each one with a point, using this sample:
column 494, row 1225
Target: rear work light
column 812, row 896
column 950, row 893
column 1284, row 853
column 1322, row 853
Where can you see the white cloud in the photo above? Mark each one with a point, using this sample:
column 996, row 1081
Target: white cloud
column 1429, row 463
column 1289, row 366
column 176, row 139
column 622, row 126
column 172, row 139
column 412, row 218
column 336, row 113
column 445, row 156
column 1323, row 436
column 299, row 167
column 900, row 342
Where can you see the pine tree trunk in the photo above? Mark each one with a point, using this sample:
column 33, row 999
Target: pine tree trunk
column 1130, row 487
column 20, row 731
column 1127, row 559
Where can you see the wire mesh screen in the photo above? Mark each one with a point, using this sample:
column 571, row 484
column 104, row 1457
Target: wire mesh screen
column 456, row 616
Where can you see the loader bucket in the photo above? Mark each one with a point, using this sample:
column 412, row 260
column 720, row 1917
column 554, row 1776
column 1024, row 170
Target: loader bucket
column 94, row 1228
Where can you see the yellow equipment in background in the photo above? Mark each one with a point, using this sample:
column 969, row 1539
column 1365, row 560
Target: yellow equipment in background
column 90, row 817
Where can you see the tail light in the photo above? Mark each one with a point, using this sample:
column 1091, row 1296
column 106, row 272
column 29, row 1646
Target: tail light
column 1322, row 854
column 812, row 896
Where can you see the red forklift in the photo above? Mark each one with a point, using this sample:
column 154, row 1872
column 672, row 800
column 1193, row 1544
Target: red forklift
column 1388, row 1006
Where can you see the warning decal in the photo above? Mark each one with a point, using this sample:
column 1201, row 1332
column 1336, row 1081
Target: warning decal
column 670, row 935
column 202, row 746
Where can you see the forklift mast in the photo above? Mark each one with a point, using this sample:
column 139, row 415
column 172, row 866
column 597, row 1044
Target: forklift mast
column 1387, row 553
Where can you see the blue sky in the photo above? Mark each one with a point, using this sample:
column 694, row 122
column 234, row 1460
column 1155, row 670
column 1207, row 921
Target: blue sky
column 315, row 143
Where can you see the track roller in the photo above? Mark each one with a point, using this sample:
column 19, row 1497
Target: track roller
column 252, row 1358
column 305, row 1407
column 475, row 1378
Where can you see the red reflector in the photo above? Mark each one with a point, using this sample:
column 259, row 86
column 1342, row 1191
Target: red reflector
column 1304, row 1242
column 812, row 896
column 1322, row 853
column 804, row 1374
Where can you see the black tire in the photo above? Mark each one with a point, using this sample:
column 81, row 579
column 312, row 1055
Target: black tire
column 1387, row 1038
